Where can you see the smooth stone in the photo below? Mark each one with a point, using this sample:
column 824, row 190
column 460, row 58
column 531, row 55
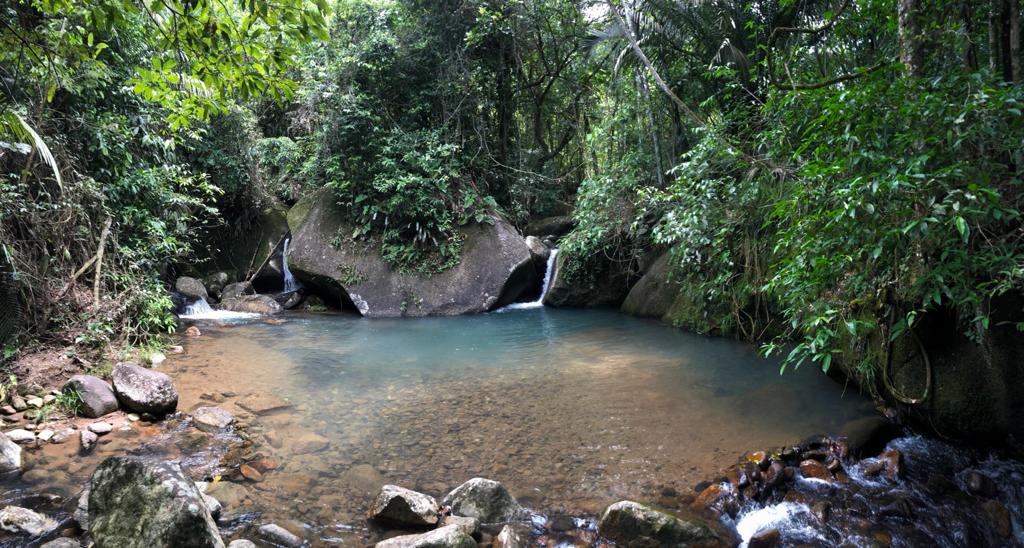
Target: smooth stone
column 97, row 396
column 36, row 402
column 191, row 288
column 49, row 398
column 101, row 428
column 765, row 538
column 212, row 419
column 451, row 536
column 470, row 526
column 509, row 538
column 45, row 435
column 250, row 473
column 263, row 404
column 20, row 435
column 143, row 390
column 176, row 349
column 63, row 542
column 242, row 543
column 628, row 523
column 279, row 535
column 133, row 417
column 18, row 403
column 213, row 505
column 404, row 507
column 8, row 410
column 484, row 499
column 156, row 358
column 16, row 519
column 88, row 439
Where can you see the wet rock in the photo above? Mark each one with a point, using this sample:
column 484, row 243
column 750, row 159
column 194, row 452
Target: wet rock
column 87, row 439
column 193, row 331
column 45, row 435
column 451, row 536
column 62, row 542
column 484, row 499
column 81, row 513
column 7, row 410
column 310, row 443
column 20, row 435
column 231, row 495
column 981, row 485
column 628, row 523
column 718, row 497
column 236, row 290
column 765, row 538
column 1002, row 522
column 250, row 473
column 18, row 403
column 101, row 428
column 550, row 226
column 255, row 304
column 293, row 300
column 97, row 396
column 276, row 534
column 868, row 436
column 214, row 506
column 144, row 390
column 538, row 250
column 215, row 283
column 23, row 521
column 893, row 460
column 242, row 543
column 262, row 404
column 402, row 506
column 775, row 474
column 137, row 503
column 211, row 419
column 156, row 358
column 470, row 526
column 35, row 402
column 813, row 469
column 191, row 288
column 509, row 538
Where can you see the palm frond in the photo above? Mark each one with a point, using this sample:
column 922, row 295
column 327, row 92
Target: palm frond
column 15, row 128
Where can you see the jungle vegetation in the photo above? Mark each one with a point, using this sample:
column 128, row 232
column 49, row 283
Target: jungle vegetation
column 818, row 169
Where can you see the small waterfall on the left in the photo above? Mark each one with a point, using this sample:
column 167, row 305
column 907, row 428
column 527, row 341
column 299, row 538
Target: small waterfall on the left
column 201, row 310
column 290, row 283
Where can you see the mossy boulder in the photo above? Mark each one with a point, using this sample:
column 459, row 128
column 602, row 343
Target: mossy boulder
column 495, row 267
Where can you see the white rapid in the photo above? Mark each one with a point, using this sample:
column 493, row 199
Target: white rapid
column 290, row 283
column 549, row 272
column 201, row 310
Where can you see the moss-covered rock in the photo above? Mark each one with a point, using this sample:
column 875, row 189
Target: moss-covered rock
column 595, row 284
column 632, row 524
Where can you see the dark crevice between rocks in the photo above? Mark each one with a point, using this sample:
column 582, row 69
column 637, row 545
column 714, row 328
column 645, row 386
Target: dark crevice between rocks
column 334, row 296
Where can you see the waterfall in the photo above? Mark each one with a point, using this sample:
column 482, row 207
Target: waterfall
column 290, row 284
column 201, row 310
column 549, row 273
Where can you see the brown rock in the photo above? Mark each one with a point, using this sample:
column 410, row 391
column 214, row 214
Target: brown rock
column 250, row 473
column 1000, row 516
column 893, row 460
column 760, row 458
column 816, row 470
column 263, row 404
column 193, row 331
column 765, row 538
column 264, row 465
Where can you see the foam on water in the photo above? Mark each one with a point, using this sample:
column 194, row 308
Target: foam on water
column 790, row 518
column 201, row 310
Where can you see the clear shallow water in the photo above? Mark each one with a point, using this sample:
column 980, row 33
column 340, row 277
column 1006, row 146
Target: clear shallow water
column 572, row 410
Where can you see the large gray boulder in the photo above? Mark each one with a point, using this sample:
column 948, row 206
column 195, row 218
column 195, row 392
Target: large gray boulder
column 97, row 396
column 238, row 289
column 484, row 499
column 404, row 507
column 212, row 419
column 215, row 283
column 134, row 503
column 451, row 536
column 594, row 282
column 255, row 304
column 551, row 226
column 143, row 390
column 653, row 294
column 495, row 267
column 191, row 288
column 629, row 523
column 10, row 455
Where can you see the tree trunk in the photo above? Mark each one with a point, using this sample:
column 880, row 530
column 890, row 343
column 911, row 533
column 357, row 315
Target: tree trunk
column 994, row 31
column 911, row 49
column 641, row 78
column 970, row 47
column 1015, row 63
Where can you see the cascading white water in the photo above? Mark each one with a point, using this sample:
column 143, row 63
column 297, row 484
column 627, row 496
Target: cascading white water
column 549, row 273
column 290, row 284
column 201, row 310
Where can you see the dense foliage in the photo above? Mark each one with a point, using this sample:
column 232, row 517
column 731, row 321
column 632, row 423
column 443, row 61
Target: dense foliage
column 824, row 173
